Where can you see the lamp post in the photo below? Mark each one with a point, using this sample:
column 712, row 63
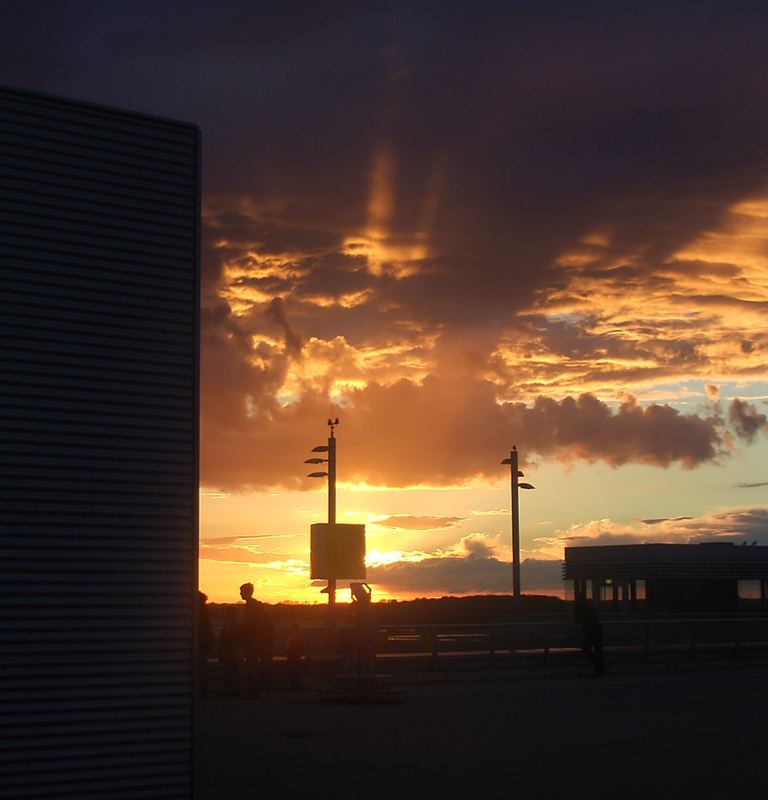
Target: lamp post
column 330, row 449
column 514, row 474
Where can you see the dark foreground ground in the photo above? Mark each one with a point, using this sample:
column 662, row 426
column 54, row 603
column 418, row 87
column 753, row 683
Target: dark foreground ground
column 697, row 734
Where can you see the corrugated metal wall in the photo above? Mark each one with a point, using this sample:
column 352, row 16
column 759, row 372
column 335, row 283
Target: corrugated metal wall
column 98, row 450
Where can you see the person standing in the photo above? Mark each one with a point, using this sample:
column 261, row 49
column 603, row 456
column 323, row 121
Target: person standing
column 294, row 652
column 251, row 638
column 266, row 647
column 231, row 652
column 591, row 631
column 365, row 630
column 204, row 643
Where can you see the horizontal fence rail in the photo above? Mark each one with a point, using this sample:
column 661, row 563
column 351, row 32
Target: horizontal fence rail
column 531, row 645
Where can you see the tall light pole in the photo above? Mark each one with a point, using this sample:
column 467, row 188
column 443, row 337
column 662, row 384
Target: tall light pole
column 330, row 448
column 514, row 474
column 332, row 423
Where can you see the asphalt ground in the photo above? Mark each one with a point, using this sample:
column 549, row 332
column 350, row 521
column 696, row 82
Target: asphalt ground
column 697, row 734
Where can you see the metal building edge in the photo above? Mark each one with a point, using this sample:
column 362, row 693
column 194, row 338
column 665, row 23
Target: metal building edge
column 196, row 467
column 87, row 105
column 129, row 118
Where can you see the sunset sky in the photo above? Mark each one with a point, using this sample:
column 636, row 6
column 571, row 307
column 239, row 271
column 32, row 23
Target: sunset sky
column 458, row 227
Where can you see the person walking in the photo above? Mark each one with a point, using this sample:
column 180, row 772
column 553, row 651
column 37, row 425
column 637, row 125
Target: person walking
column 251, row 638
column 591, row 631
column 231, row 653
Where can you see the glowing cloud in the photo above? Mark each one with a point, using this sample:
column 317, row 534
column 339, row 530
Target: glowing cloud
column 411, row 523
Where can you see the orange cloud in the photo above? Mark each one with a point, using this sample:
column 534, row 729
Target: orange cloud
column 623, row 312
column 386, row 442
column 408, row 522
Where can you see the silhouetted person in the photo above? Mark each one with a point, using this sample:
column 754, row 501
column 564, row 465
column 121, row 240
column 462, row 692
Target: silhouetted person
column 294, row 652
column 231, row 652
column 591, row 631
column 365, row 631
column 251, row 637
column 346, row 644
column 266, row 647
column 204, row 643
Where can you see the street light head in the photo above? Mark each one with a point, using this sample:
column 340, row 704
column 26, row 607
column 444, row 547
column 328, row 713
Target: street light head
column 321, row 448
column 525, row 486
column 316, row 461
column 317, row 475
column 520, row 474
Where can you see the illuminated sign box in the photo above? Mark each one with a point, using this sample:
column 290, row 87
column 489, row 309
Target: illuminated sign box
column 337, row 551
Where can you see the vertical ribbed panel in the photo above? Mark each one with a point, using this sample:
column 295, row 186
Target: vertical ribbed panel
column 98, row 450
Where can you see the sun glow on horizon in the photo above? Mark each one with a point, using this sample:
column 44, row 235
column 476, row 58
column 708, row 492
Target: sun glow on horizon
column 619, row 333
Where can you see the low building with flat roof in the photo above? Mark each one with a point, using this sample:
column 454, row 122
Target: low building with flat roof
column 667, row 577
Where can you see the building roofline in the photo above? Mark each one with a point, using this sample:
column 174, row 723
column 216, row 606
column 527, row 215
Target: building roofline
column 90, row 105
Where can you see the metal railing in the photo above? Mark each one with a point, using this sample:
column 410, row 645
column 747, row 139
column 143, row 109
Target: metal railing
column 533, row 645
column 540, row 643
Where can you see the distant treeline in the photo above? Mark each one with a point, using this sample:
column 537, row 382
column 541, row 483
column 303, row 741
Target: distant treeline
column 422, row 611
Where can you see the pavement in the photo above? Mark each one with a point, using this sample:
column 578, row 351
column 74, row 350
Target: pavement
column 680, row 734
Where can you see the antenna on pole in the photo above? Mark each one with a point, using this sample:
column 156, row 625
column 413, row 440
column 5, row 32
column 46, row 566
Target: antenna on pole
column 332, row 423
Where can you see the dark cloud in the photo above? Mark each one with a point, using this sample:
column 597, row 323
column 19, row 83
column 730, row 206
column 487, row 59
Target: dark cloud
column 746, row 420
column 752, row 485
column 659, row 520
column 386, row 441
column 476, row 545
column 596, row 121
column 384, row 176
column 750, row 524
column 292, row 340
column 736, row 525
column 465, row 575
column 609, row 538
